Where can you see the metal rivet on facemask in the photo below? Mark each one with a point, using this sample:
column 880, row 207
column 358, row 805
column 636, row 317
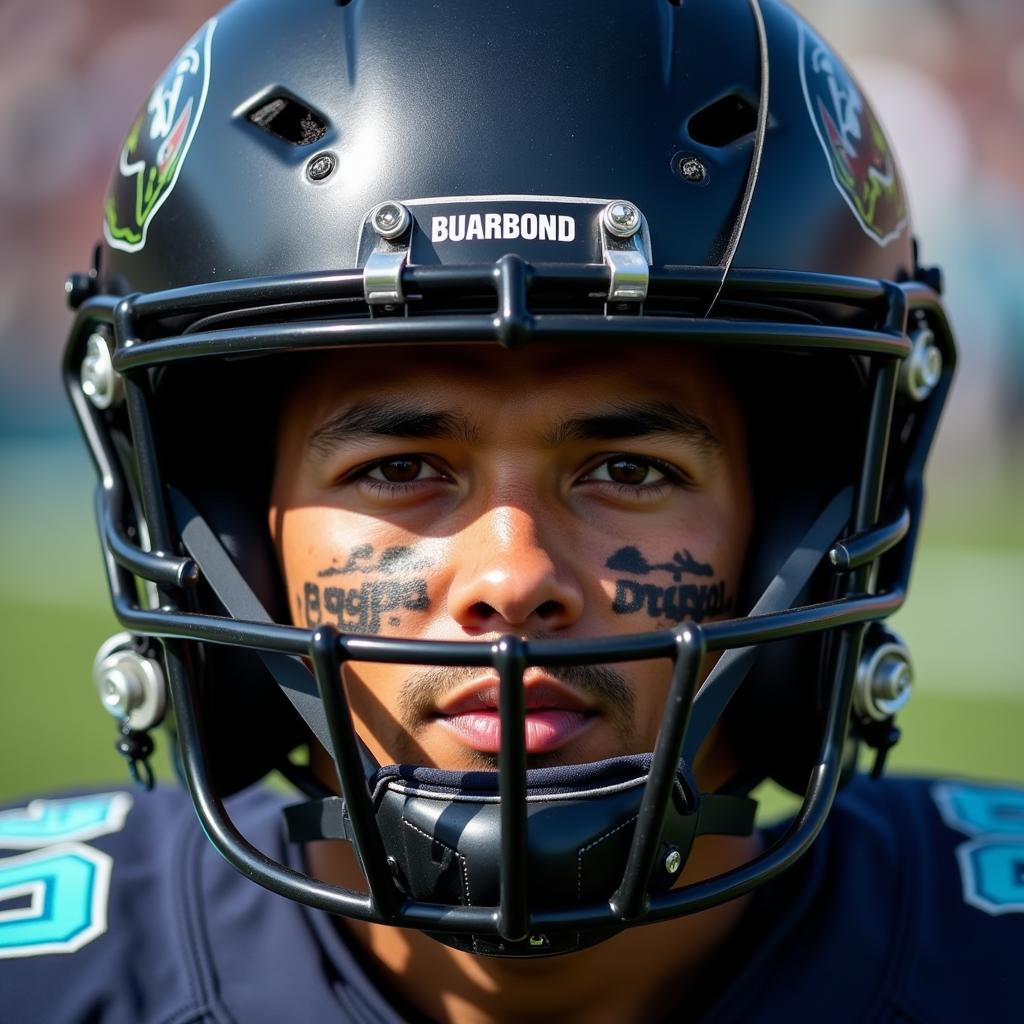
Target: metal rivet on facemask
column 538, row 940
column 101, row 383
column 921, row 369
column 622, row 219
column 884, row 681
column 892, row 679
column 120, row 692
column 131, row 686
column 321, row 166
column 692, row 169
column 673, row 861
column 390, row 219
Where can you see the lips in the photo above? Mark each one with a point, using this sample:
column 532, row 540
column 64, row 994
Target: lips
column 555, row 715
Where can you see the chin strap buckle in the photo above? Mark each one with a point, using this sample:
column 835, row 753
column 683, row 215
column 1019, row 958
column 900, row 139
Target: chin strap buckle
column 135, row 747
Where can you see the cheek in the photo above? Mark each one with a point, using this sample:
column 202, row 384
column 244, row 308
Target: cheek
column 686, row 567
column 315, row 542
column 355, row 574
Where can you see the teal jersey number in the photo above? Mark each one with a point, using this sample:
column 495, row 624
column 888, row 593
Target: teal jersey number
column 54, row 900
column 67, row 888
column 992, row 861
column 45, row 822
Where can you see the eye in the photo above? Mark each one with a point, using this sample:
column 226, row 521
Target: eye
column 403, row 469
column 629, row 471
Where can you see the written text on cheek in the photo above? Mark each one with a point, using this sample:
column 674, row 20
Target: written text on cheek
column 686, row 601
column 693, row 601
column 361, row 608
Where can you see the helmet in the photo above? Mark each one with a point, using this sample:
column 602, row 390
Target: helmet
column 390, row 173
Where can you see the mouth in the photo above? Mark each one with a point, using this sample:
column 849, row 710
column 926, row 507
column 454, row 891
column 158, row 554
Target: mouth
column 555, row 715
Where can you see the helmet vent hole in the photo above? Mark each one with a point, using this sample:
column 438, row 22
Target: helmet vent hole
column 288, row 119
column 723, row 122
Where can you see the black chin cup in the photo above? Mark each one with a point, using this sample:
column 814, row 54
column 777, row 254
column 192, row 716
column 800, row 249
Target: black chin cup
column 442, row 834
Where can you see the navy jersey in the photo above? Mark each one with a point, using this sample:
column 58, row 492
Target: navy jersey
column 114, row 908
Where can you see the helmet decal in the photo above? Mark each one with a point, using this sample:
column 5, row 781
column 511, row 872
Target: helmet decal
column 157, row 144
column 858, row 152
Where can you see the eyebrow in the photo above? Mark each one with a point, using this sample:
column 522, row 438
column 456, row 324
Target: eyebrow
column 636, row 419
column 366, row 420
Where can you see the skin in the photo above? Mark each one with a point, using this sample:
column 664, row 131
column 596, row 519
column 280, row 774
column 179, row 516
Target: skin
column 507, row 523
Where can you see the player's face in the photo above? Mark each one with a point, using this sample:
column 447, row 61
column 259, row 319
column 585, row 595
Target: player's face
column 462, row 493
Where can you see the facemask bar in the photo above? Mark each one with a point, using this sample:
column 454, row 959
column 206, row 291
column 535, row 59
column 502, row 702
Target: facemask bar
column 177, row 621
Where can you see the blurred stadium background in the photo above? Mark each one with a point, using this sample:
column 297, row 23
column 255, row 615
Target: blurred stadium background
column 948, row 79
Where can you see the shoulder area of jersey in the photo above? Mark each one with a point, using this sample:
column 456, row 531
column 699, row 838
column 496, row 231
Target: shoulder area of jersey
column 74, row 865
column 919, row 882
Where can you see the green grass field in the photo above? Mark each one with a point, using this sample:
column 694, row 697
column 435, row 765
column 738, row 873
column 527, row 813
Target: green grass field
column 963, row 624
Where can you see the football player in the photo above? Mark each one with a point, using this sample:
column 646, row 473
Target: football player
column 510, row 423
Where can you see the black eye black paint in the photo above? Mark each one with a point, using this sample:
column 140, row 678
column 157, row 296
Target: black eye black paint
column 632, row 561
column 693, row 601
column 359, row 608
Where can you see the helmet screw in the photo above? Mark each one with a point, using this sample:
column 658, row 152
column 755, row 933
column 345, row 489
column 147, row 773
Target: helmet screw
column 77, row 288
column 921, row 369
column 673, row 861
column 120, row 692
column 692, row 169
column 622, row 219
column 321, row 166
column 538, row 940
column 892, row 679
column 390, row 219
column 101, row 383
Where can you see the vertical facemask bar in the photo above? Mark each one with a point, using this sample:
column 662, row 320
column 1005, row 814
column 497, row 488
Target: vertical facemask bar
column 869, row 491
column 325, row 653
column 109, row 494
column 630, row 900
column 154, row 505
column 514, row 908
column 867, row 504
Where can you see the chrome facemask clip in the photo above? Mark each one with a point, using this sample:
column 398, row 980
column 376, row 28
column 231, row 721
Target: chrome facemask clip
column 390, row 221
column 626, row 248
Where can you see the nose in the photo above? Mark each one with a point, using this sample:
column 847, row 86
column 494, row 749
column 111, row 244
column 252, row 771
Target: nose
column 506, row 578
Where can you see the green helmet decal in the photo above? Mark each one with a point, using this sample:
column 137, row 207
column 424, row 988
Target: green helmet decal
column 157, row 144
column 857, row 150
